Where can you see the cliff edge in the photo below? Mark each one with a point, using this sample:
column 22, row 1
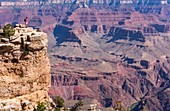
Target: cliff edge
column 24, row 69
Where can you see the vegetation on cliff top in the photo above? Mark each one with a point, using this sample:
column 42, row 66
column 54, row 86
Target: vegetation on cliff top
column 59, row 102
column 77, row 106
column 41, row 106
column 8, row 31
column 60, row 106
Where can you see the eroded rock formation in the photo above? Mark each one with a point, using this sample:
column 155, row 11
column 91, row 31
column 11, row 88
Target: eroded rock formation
column 120, row 54
column 24, row 69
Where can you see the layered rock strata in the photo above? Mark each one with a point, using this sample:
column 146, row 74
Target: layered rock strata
column 24, row 69
column 113, row 55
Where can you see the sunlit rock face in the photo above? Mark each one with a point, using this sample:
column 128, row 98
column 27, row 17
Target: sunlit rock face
column 24, row 70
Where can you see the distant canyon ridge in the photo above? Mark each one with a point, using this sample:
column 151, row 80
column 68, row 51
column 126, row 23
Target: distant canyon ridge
column 109, row 2
column 117, row 50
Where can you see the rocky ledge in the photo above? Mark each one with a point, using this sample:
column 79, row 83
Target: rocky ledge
column 24, row 69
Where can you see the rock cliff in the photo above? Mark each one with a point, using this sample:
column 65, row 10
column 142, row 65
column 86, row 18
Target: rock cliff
column 24, row 69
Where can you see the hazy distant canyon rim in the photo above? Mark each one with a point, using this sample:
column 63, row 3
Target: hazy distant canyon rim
column 107, row 52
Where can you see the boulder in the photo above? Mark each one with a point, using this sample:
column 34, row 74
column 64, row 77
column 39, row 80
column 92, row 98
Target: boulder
column 4, row 40
column 22, row 25
column 16, row 25
column 36, row 45
column 5, row 47
column 16, row 54
column 13, row 38
column 16, row 41
column 10, row 106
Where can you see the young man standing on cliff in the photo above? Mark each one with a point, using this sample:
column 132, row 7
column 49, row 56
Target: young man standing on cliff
column 26, row 21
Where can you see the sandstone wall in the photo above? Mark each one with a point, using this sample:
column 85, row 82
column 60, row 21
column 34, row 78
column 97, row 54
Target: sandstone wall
column 24, row 68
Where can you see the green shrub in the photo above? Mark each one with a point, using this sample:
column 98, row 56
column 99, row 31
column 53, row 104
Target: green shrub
column 8, row 31
column 26, row 52
column 56, row 109
column 59, row 102
column 41, row 106
column 119, row 107
column 77, row 106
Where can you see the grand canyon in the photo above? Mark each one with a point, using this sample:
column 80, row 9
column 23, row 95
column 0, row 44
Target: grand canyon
column 105, row 50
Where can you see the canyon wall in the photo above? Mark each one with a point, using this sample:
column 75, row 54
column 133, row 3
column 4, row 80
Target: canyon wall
column 110, row 2
column 24, row 69
column 113, row 54
column 105, row 52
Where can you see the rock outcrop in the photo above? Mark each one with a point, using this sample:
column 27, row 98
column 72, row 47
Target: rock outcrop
column 24, row 69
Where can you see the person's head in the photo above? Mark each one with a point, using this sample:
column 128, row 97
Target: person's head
column 26, row 17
